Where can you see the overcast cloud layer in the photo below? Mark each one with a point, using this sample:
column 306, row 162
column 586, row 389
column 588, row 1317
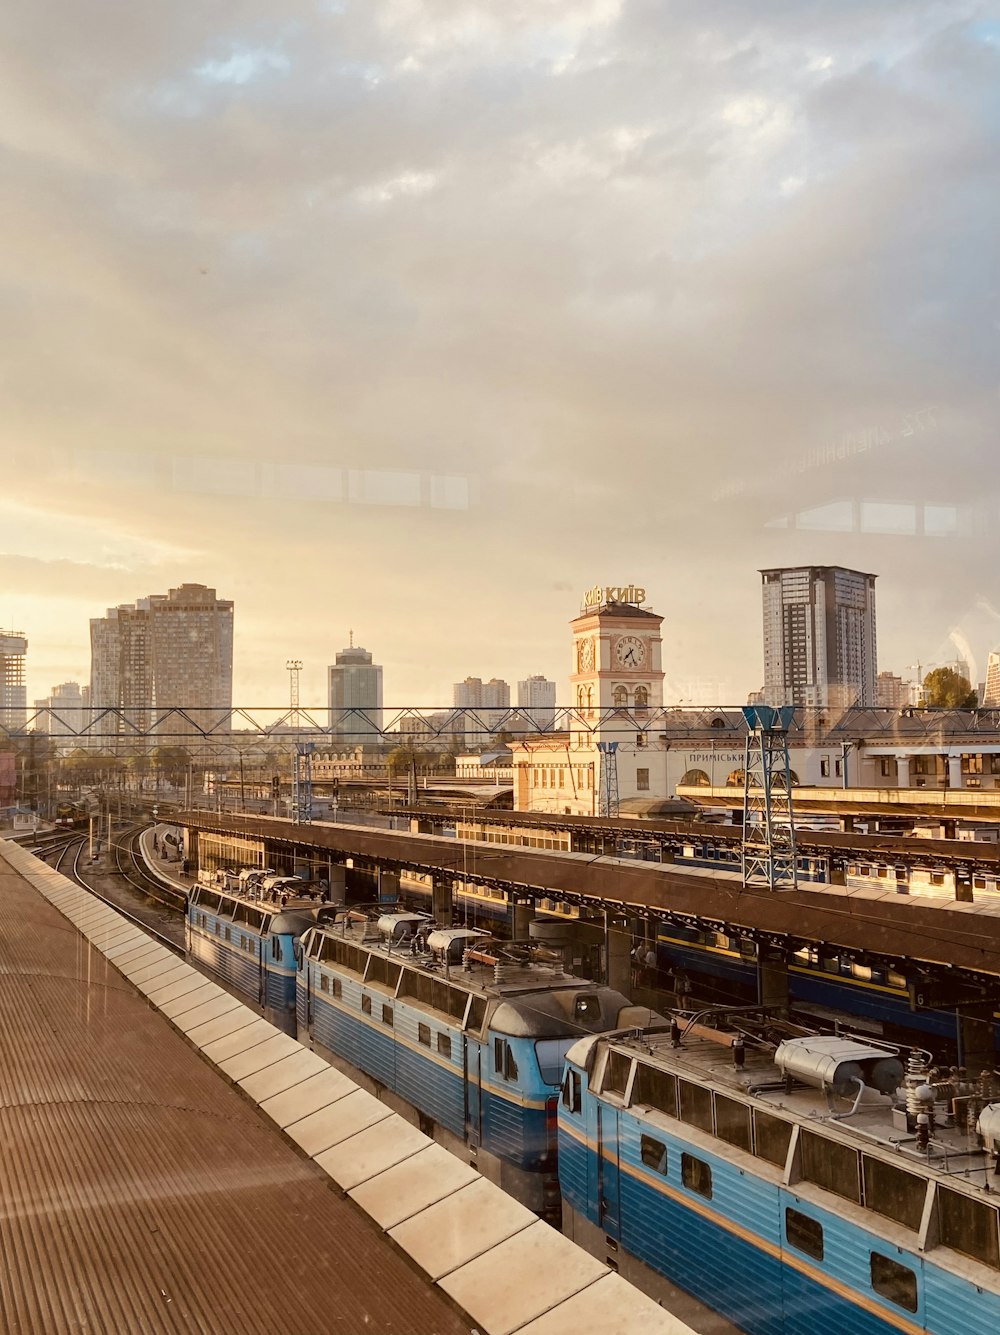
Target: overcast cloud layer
column 421, row 318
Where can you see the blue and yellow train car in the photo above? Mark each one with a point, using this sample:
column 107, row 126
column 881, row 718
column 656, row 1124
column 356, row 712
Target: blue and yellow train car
column 465, row 1034
column 247, row 937
column 790, row 1188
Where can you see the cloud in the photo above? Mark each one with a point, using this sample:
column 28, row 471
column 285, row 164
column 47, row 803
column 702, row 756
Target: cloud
column 336, row 308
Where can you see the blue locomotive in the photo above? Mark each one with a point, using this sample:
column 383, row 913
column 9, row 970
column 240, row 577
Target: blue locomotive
column 461, row 1032
column 244, row 928
column 794, row 1183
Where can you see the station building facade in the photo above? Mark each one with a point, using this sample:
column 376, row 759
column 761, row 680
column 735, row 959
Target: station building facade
column 616, row 696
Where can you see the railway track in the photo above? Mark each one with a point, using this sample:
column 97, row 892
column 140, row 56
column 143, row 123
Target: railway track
column 151, row 920
column 131, row 866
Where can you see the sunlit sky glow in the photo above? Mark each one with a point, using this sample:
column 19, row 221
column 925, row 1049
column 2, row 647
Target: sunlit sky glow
column 419, row 317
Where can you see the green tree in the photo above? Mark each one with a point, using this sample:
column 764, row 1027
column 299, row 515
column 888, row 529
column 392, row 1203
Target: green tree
column 171, row 763
column 944, row 687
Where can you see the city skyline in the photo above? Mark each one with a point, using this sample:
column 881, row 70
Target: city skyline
column 433, row 315
column 315, row 673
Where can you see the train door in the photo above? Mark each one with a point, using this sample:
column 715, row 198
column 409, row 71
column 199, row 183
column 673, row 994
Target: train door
column 472, row 1070
column 607, row 1170
column 265, row 946
column 303, row 988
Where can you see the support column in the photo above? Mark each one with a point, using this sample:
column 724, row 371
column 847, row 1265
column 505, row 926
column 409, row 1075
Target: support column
column 976, row 1049
column 618, row 946
column 522, row 913
column 772, row 978
column 443, row 900
column 336, row 880
column 963, row 885
column 847, row 824
column 949, row 829
column 388, row 885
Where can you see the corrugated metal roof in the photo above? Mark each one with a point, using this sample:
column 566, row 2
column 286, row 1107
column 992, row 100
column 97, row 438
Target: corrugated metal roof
column 143, row 1193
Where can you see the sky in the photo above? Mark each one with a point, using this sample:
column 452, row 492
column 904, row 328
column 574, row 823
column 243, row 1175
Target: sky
column 417, row 318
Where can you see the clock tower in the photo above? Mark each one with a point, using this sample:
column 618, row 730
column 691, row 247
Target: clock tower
column 616, row 693
column 616, row 660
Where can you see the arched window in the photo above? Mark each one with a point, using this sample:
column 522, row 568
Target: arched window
column 620, row 697
column 641, row 697
column 579, row 697
column 695, row 778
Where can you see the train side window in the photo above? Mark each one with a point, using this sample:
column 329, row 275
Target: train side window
column 509, row 1065
column 275, row 948
column 572, row 1091
column 655, row 1089
column 804, row 1234
column 366, row 1004
column 896, row 1282
column 324, row 982
column 337, row 987
column 503, row 1059
column 654, row 1154
column 696, row 1175
column 424, row 1034
column 387, row 1015
column 444, row 1044
column 969, row 1226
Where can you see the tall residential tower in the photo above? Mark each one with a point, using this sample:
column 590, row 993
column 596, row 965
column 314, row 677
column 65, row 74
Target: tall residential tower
column 168, row 651
column 354, row 682
column 13, row 690
column 819, row 637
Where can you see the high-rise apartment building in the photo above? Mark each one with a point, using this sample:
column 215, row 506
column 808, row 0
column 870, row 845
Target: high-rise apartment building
column 819, row 637
column 991, row 692
column 536, row 697
column 13, row 690
column 487, row 701
column 168, row 651
column 474, row 693
column 892, row 692
column 66, row 717
column 354, row 682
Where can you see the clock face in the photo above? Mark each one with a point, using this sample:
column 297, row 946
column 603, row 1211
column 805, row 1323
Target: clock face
column 586, row 655
column 630, row 652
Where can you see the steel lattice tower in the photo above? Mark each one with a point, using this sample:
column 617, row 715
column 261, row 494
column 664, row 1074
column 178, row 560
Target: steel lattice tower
column 609, row 805
column 302, row 788
column 768, row 851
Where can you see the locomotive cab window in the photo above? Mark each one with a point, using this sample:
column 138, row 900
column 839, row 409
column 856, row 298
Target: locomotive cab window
column 572, row 1091
column 587, row 1007
column 503, row 1059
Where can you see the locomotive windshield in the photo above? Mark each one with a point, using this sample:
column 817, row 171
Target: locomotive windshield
column 550, row 1053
